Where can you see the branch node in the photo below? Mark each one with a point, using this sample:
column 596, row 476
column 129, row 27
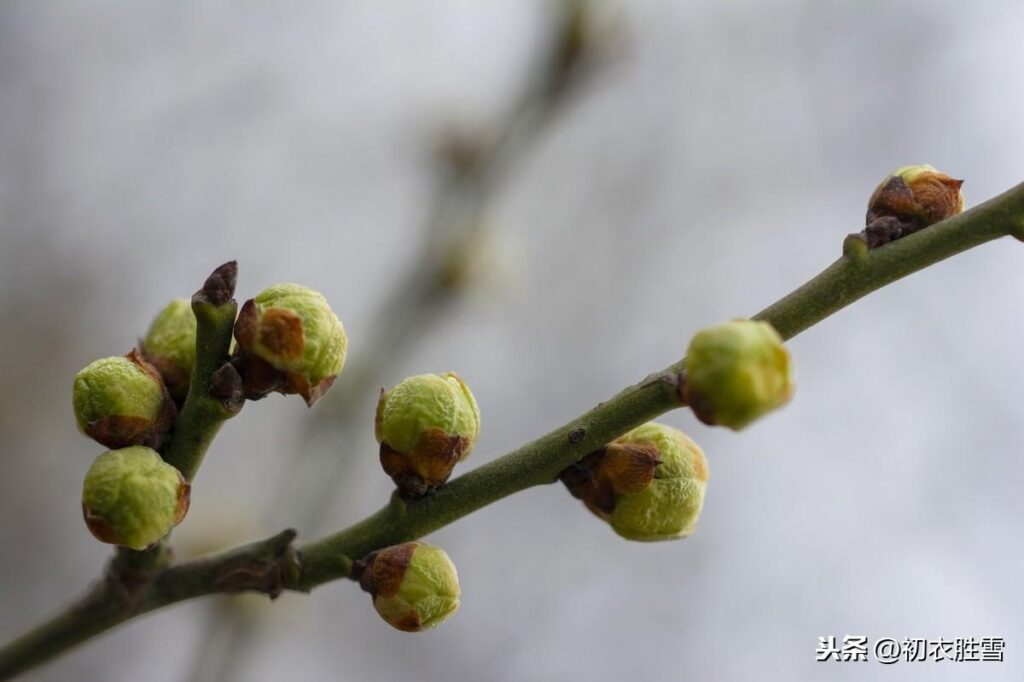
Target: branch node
column 677, row 380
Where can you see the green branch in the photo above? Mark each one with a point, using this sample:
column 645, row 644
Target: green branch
column 125, row 592
column 214, row 395
column 272, row 565
column 536, row 463
column 856, row 274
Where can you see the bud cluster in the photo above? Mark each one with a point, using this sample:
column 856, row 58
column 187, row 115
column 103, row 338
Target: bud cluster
column 289, row 340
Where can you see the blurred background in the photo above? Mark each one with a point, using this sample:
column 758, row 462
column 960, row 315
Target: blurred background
column 549, row 200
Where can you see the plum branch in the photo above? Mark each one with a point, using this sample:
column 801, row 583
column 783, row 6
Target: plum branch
column 130, row 588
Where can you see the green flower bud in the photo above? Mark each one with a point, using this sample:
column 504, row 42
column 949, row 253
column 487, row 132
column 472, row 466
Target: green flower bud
column 291, row 342
column 122, row 401
column 170, row 346
column 426, row 425
column 736, row 372
column 414, row 585
column 648, row 485
column 910, row 199
column 132, row 497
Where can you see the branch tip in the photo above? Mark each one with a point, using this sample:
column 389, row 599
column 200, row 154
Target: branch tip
column 219, row 287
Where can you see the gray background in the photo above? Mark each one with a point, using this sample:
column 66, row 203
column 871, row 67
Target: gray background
column 712, row 167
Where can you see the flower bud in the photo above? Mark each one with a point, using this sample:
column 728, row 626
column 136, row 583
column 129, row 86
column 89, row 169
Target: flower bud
column 414, row 585
column 290, row 342
column 122, row 401
column 170, row 346
column 425, row 425
column 648, row 485
column 910, row 199
column 132, row 497
column 736, row 372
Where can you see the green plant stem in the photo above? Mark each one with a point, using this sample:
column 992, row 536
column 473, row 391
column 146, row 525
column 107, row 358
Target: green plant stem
column 271, row 565
column 202, row 415
column 857, row 273
column 124, row 593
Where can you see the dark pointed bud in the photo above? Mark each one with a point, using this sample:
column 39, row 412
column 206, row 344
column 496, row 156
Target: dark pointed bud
column 219, row 287
column 226, row 386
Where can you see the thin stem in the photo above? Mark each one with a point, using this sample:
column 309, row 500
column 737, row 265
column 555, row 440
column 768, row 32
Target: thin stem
column 125, row 593
column 202, row 415
column 857, row 273
column 272, row 565
column 98, row 611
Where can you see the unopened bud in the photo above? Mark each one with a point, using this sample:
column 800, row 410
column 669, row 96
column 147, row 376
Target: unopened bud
column 414, row 585
column 122, row 401
column 736, row 372
column 648, row 485
column 132, row 497
column 426, row 425
column 291, row 342
column 910, row 199
column 170, row 346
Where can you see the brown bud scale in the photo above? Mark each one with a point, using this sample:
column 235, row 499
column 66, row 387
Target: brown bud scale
column 615, row 469
column 428, row 466
column 384, row 570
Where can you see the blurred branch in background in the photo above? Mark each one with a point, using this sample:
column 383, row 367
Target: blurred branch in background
column 472, row 166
